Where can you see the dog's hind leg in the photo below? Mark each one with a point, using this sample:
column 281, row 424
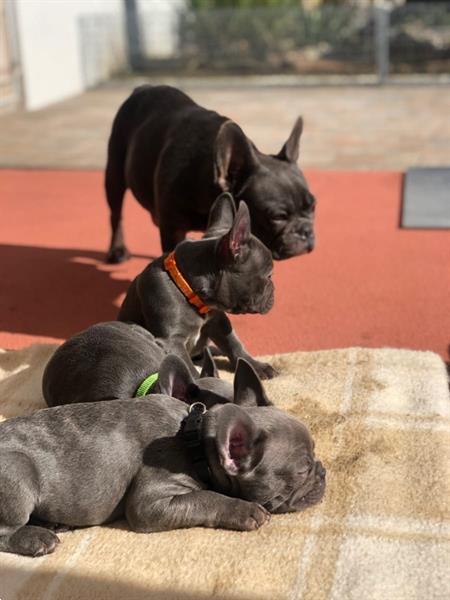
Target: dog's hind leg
column 19, row 491
column 115, row 187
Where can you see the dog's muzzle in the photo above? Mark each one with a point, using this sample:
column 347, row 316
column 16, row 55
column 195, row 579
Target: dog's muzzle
column 311, row 492
column 297, row 238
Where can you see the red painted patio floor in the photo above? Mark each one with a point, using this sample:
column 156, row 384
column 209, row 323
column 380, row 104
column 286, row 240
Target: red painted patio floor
column 368, row 283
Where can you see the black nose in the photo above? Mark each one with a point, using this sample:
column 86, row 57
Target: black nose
column 320, row 469
column 306, row 232
column 310, row 201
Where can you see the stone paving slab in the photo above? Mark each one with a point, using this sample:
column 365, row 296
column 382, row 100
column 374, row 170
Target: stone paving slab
column 362, row 127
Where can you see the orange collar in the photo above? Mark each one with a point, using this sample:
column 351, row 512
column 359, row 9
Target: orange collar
column 170, row 264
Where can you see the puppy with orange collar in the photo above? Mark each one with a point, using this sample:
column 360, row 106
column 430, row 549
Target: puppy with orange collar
column 182, row 297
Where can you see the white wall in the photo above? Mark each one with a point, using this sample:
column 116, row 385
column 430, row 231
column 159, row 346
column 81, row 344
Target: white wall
column 158, row 26
column 49, row 41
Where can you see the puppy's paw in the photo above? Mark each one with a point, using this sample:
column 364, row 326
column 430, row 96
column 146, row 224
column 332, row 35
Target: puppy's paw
column 33, row 541
column 117, row 255
column 246, row 516
column 264, row 370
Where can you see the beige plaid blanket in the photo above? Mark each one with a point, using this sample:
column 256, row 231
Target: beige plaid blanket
column 381, row 423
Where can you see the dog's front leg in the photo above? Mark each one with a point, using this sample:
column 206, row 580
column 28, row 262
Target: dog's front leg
column 200, row 508
column 219, row 329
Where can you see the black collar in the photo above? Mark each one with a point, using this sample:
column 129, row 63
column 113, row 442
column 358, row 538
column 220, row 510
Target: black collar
column 191, row 434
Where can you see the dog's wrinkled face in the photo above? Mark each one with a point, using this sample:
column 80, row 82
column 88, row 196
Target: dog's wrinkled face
column 282, row 209
column 244, row 283
column 280, row 203
column 261, row 454
column 288, row 478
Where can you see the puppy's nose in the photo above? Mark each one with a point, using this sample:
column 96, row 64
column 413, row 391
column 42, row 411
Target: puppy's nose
column 310, row 201
column 306, row 234
column 320, row 469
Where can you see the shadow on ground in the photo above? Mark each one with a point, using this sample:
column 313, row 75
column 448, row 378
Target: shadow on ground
column 72, row 586
column 57, row 292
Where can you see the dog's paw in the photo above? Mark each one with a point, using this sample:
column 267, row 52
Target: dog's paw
column 117, row 255
column 247, row 516
column 264, row 370
column 33, row 541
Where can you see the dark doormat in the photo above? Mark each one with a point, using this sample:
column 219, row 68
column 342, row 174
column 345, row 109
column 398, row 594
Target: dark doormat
column 426, row 198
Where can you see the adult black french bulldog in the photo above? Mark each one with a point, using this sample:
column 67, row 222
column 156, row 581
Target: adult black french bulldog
column 229, row 270
column 91, row 463
column 113, row 360
column 176, row 157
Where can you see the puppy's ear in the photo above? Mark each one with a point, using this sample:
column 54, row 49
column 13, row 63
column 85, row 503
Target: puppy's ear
column 235, row 157
column 209, row 368
column 175, row 379
column 290, row 150
column 240, row 443
column 221, row 215
column 232, row 245
column 248, row 389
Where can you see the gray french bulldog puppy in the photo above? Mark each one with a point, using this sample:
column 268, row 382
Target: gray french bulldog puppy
column 91, row 463
column 110, row 360
column 229, row 269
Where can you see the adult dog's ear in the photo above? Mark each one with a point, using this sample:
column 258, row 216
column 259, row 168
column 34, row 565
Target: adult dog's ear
column 209, row 368
column 221, row 215
column 240, row 443
column 233, row 244
column 290, row 151
column 234, row 157
column 175, row 379
column 248, row 389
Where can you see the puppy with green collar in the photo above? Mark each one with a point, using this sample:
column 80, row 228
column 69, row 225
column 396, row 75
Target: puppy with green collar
column 114, row 360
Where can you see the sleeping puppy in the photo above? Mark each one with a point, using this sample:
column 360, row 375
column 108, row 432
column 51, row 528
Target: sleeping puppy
column 176, row 157
column 123, row 360
column 156, row 461
column 181, row 298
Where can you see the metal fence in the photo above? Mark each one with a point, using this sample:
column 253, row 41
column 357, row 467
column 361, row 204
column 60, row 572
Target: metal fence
column 419, row 38
column 278, row 40
column 344, row 39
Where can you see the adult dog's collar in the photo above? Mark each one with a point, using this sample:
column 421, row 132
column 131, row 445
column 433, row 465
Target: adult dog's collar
column 170, row 264
column 146, row 385
column 191, row 434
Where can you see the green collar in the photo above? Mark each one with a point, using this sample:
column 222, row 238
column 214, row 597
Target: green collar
column 145, row 386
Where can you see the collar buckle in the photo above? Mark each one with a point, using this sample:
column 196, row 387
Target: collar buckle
column 197, row 407
column 191, row 434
